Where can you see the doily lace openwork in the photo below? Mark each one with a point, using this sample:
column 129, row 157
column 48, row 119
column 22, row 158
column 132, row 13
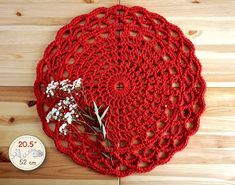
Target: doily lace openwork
column 139, row 65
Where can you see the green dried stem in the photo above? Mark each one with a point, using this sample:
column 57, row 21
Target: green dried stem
column 103, row 128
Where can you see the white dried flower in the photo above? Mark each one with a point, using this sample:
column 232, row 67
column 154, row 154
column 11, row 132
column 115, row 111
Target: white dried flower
column 63, row 129
column 68, row 116
column 54, row 110
column 64, row 82
column 74, row 105
column 66, row 86
column 48, row 117
column 52, row 114
column 51, row 88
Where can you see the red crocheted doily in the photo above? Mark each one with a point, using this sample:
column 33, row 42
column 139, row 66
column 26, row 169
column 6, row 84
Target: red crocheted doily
column 139, row 65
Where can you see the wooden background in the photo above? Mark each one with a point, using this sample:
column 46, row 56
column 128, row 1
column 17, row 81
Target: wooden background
column 27, row 26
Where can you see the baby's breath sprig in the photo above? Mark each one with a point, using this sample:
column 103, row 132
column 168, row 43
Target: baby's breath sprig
column 69, row 112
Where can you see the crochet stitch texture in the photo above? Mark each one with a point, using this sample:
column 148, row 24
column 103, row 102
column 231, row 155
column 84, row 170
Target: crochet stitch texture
column 139, row 65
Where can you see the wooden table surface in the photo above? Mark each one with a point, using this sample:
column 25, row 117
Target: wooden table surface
column 27, row 26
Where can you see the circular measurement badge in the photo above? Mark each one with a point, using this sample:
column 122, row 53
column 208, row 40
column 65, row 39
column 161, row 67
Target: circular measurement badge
column 27, row 152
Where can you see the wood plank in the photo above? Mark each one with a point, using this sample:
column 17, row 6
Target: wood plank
column 15, row 114
column 181, row 166
column 51, row 12
column 167, row 8
column 16, row 94
column 11, row 131
column 91, row 181
column 184, row 7
column 18, row 66
column 180, row 180
column 221, row 124
column 55, row 166
column 223, row 139
column 214, row 96
column 185, row 159
column 218, row 123
column 186, row 174
column 215, row 99
column 44, row 34
column 187, row 156
column 202, row 23
column 20, row 55
column 24, row 72
column 31, row 53
column 22, row 109
column 17, row 109
column 207, row 14
column 15, row 71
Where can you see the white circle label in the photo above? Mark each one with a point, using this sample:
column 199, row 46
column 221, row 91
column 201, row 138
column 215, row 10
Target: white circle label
column 27, row 152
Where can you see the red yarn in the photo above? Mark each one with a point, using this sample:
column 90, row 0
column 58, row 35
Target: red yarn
column 139, row 65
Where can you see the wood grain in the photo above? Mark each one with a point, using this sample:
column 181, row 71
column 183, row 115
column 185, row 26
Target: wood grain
column 57, row 182
column 190, row 174
column 56, row 166
column 26, row 27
